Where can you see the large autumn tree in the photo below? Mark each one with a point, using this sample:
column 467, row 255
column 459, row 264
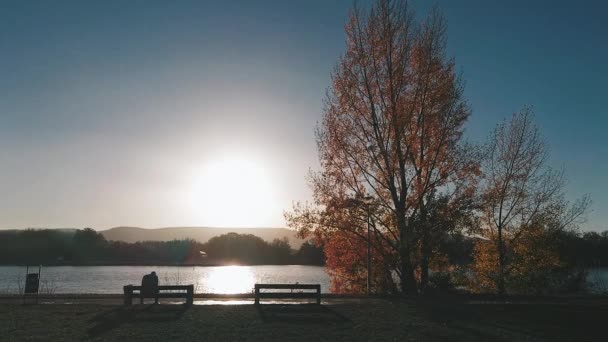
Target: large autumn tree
column 391, row 131
column 524, row 205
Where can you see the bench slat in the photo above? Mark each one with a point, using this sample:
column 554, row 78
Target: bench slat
column 288, row 295
column 288, row 286
column 162, row 295
column 188, row 294
column 316, row 294
column 165, row 287
column 162, row 291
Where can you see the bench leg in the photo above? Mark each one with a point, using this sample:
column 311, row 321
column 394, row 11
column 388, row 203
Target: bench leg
column 318, row 294
column 127, row 295
column 190, row 296
column 257, row 296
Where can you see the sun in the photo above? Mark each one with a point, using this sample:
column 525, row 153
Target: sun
column 235, row 192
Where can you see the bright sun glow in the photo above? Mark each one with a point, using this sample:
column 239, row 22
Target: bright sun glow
column 235, row 193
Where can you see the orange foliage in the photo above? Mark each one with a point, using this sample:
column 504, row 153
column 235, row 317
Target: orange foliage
column 391, row 130
column 531, row 259
column 346, row 258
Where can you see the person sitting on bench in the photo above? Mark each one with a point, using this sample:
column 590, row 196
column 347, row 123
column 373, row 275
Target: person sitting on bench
column 149, row 287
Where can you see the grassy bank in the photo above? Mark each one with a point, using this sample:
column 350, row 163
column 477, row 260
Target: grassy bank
column 362, row 320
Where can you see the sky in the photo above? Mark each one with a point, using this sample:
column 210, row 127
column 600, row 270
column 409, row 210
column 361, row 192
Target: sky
column 134, row 112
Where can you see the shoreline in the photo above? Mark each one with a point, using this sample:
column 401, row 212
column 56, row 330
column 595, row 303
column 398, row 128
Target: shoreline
column 151, row 265
column 455, row 297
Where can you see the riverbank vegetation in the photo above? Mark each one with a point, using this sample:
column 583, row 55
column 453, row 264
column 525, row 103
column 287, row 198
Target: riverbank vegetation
column 88, row 247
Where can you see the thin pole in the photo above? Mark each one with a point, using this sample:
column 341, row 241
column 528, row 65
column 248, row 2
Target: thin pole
column 38, row 292
column 369, row 253
column 27, row 268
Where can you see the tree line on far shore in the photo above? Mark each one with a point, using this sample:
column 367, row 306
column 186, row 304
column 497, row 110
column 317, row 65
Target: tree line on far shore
column 87, row 247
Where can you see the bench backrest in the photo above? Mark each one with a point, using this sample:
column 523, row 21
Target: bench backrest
column 289, row 286
column 164, row 287
column 186, row 291
column 316, row 294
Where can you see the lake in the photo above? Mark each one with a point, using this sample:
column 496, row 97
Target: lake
column 597, row 278
column 206, row 279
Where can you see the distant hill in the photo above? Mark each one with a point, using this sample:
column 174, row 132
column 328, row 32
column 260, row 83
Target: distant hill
column 202, row 234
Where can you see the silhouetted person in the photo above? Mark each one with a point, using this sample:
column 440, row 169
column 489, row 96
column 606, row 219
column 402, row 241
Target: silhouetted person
column 149, row 287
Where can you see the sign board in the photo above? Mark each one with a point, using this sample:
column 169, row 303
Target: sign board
column 32, row 284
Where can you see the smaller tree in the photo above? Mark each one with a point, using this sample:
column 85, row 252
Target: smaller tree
column 523, row 199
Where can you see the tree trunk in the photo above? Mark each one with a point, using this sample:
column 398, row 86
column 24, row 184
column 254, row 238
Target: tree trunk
column 501, row 264
column 426, row 251
column 408, row 281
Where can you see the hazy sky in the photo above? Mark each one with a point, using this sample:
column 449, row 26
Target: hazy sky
column 110, row 112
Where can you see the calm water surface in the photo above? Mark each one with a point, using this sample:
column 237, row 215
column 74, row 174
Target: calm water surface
column 111, row 279
column 597, row 278
column 220, row 279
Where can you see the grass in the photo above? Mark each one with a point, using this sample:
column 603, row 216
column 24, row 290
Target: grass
column 381, row 320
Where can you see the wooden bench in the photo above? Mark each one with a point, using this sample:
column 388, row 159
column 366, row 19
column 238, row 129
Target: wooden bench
column 185, row 291
column 307, row 294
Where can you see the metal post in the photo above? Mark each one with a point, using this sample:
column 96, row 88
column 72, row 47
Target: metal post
column 38, row 292
column 27, row 269
column 369, row 253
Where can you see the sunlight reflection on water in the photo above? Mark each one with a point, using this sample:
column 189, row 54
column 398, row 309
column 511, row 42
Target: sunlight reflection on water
column 222, row 302
column 231, row 279
column 206, row 279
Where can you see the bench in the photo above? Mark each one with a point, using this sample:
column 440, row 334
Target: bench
column 185, row 291
column 307, row 294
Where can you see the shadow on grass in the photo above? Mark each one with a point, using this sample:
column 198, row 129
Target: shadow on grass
column 114, row 318
column 515, row 321
column 299, row 314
